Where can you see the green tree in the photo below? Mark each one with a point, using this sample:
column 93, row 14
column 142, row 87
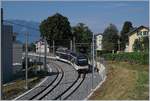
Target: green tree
column 127, row 26
column 141, row 44
column 83, row 35
column 137, row 46
column 57, row 28
column 110, row 38
column 146, row 44
column 32, row 47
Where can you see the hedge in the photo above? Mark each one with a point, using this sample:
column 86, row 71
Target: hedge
column 133, row 57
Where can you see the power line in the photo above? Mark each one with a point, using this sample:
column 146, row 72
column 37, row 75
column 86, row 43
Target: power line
column 21, row 25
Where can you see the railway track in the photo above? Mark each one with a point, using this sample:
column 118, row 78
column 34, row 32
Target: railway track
column 68, row 91
column 37, row 93
column 49, row 89
column 51, row 86
column 72, row 88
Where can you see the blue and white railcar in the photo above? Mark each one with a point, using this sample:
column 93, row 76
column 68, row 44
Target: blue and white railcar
column 79, row 61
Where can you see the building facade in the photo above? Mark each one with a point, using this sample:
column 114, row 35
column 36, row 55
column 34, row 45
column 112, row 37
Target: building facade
column 134, row 34
column 99, row 38
column 40, row 46
column 6, row 52
column 17, row 54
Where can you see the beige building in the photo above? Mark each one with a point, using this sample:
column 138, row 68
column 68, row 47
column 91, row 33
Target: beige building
column 134, row 34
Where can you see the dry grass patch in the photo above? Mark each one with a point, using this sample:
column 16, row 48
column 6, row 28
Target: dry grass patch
column 124, row 82
column 17, row 87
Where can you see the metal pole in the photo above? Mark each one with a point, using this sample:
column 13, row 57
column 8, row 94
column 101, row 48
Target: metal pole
column 96, row 59
column 71, row 45
column 53, row 47
column 26, row 56
column 74, row 44
column 118, row 45
column 45, row 53
column 93, row 63
column 1, row 68
column 40, row 55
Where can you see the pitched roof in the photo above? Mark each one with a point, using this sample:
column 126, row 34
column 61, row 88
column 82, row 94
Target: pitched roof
column 40, row 40
column 136, row 29
column 98, row 34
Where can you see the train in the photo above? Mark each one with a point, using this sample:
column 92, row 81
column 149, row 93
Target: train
column 78, row 60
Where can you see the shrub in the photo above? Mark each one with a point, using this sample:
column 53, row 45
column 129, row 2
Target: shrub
column 134, row 57
column 100, row 52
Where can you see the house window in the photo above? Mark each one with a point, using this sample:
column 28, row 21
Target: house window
column 145, row 33
column 139, row 33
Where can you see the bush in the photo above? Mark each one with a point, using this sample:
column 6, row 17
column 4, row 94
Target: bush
column 100, row 52
column 134, row 57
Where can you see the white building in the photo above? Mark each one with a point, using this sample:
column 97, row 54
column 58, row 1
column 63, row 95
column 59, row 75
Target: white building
column 99, row 41
column 40, row 46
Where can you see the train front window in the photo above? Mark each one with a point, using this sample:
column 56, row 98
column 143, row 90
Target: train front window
column 82, row 62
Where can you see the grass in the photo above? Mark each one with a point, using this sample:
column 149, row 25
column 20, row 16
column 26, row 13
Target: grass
column 124, row 82
column 17, row 87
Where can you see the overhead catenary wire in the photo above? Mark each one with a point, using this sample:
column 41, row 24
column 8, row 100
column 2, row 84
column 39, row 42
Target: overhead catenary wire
column 29, row 27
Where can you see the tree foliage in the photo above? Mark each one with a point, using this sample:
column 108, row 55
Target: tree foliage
column 110, row 38
column 141, row 44
column 56, row 27
column 127, row 26
column 31, row 47
column 83, row 35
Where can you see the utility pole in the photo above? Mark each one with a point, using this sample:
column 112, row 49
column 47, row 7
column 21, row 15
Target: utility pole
column 71, row 45
column 45, row 52
column 74, row 44
column 40, row 55
column 118, row 45
column 1, row 78
column 26, row 57
column 93, row 62
column 53, row 47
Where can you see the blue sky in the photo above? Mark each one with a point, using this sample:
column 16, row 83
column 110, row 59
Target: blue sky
column 97, row 14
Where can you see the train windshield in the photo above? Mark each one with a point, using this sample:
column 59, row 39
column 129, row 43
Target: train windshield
column 82, row 61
